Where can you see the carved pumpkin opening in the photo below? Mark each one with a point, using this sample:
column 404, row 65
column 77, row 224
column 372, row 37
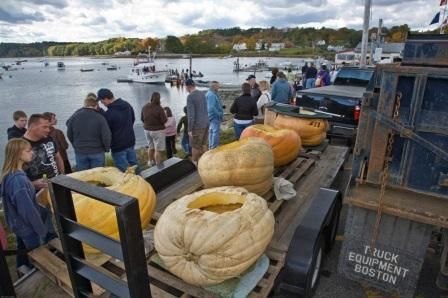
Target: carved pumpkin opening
column 218, row 202
column 99, row 183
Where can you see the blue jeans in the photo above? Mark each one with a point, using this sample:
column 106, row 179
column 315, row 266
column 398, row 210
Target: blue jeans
column 213, row 133
column 310, row 83
column 89, row 161
column 239, row 128
column 125, row 158
column 186, row 144
column 26, row 243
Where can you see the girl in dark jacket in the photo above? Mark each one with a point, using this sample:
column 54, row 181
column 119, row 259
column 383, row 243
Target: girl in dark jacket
column 22, row 212
column 244, row 109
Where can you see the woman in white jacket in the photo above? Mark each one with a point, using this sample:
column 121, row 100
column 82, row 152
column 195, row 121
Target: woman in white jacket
column 264, row 98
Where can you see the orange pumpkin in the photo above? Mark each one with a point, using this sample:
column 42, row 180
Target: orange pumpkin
column 312, row 131
column 285, row 143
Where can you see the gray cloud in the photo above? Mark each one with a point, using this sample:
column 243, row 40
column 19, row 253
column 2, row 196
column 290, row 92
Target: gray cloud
column 289, row 4
column 19, row 17
column 126, row 27
column 99, row 20
column 55, row 3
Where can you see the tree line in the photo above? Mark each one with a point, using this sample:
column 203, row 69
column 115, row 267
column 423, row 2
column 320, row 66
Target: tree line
column 210, row 41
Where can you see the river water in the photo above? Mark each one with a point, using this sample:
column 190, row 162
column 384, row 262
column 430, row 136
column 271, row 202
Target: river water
column 35, row 88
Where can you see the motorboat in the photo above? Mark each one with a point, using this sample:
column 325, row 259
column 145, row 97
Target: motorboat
column 112, row 67
column 144, row 70
column 87, row 69
column 61, row 65
column 260, row 65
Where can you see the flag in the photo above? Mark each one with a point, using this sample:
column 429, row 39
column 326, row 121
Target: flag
column 436, row 18
column 443, row 2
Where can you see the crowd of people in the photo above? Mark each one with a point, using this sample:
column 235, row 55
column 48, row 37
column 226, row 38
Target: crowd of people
column 37, row 150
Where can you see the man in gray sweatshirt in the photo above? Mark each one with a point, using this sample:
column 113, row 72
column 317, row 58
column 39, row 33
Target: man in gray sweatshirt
column 89, row 134
column 198, row 122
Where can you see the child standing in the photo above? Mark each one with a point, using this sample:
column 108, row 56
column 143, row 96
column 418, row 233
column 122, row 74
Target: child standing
column 170, row 133
column 22, row 212
column 185, row 139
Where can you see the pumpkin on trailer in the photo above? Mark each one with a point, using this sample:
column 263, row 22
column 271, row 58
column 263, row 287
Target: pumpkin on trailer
column 248, row 163
column 312, row 131
column 212, row 235
column 102, row 217
column 285, row 143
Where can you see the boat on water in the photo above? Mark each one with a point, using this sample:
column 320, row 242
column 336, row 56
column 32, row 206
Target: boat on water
column 61, row 65
column 87, row 69
column 145, row 71
column 260, row 65
column 112, row 67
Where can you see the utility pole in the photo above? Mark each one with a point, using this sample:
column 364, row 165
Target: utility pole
column 365, row 33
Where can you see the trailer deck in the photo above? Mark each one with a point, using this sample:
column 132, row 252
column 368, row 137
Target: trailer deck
column 309, row 172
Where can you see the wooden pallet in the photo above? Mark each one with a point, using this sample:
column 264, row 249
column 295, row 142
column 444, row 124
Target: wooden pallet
column 49, row 258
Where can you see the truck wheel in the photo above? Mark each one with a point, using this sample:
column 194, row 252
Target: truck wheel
column 314, row 274
column 332, row 228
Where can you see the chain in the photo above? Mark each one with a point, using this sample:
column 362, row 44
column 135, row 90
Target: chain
column 385, row 175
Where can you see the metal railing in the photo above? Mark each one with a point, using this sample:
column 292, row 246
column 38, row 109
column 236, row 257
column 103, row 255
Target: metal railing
column 129, row 249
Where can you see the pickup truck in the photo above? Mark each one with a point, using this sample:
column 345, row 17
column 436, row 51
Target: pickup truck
column 341, row 101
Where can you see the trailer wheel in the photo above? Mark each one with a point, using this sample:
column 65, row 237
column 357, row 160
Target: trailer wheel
column 332, row 228
column 314, row 273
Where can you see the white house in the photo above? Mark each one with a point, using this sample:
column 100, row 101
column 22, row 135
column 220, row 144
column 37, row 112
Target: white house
column 240, row 46
column 124, row 53
column 276, row 46
column 320, row 42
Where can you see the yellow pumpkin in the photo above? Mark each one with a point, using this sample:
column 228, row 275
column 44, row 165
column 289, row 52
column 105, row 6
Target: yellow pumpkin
column 310, row 130
column 248, row 163
column 212, row 235
column 285, row 143
column 102, row 217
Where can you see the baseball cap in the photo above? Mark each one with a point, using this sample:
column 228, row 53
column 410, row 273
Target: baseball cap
column 189, row 82
column 250, row 77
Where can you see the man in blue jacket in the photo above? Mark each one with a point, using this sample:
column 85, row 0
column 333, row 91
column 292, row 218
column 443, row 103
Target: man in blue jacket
column 120, row 118
column 215, row 114
column 281, row 90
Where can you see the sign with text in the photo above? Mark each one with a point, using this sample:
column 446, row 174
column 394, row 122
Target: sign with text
column 395, row 262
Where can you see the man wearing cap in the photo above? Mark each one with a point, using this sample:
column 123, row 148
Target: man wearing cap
column 255, row 91
column 198, row 122
column 215, row 114
column 120, row 118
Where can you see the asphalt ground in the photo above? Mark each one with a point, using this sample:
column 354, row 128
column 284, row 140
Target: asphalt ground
column 334, row 285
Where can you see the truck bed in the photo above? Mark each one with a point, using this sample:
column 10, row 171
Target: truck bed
column 307, row 170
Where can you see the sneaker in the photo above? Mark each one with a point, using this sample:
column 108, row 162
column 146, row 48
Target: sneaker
column 151, row 163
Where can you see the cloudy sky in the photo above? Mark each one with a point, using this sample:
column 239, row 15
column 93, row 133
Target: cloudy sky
column 94, row 20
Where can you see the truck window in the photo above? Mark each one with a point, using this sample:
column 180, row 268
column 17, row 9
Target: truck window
column 353, row 77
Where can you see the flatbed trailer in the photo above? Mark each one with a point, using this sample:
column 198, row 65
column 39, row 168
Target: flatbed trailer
column 305, row 228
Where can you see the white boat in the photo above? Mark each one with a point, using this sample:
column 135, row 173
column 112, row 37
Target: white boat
column 61, row 65
column 145, row 71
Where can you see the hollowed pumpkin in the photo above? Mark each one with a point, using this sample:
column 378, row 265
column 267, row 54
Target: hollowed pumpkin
column 248, row 163
column 311, row 131
column 212, row 235
column 102, row 217
column 285, row 143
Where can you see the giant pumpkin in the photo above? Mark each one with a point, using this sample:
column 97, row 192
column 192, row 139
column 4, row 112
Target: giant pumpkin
column 102, row 217
column 285, row 143
column 248, row 163
column 311, row 131
column 212, row 235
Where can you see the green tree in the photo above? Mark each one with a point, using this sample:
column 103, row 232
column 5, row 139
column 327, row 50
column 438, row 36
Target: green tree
column 173, row 44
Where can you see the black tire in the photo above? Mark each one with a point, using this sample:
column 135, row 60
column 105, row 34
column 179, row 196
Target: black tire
column 332, row 228
column 313, row 276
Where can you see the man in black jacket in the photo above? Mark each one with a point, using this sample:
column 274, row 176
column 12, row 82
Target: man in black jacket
column 120, row 117
column 18, row 129
column 89, row 134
